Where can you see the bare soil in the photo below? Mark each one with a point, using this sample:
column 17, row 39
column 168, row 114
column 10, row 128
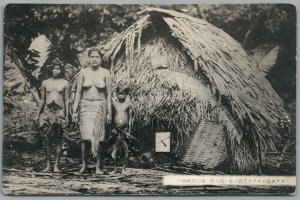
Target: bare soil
column 23, row 176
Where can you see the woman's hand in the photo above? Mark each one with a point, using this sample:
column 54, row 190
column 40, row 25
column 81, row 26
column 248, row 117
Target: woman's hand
column 67, row 121
column 108, row 118
column 75, row 117
column 37, row 119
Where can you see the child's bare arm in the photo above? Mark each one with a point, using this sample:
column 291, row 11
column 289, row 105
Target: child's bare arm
column 108, row 81
column 42, row 100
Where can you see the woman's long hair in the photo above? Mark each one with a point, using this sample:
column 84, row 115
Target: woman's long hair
column 56, row 62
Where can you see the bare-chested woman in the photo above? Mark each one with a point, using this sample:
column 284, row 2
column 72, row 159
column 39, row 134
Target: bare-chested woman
column 53, row 117
column 93, row 92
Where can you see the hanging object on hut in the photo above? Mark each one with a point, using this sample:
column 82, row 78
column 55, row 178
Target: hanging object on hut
column 208, row 147
column 208, row 77
column 162, row 142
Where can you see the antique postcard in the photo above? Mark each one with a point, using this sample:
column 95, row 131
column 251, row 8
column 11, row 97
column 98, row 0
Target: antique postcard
column 166, row 99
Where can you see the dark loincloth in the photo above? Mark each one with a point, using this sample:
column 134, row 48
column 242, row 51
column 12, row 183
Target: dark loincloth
column 52, row 122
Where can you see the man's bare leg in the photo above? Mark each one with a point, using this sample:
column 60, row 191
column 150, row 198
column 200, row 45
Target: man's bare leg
column 98, row 164
column 125, row 162
column 83, row 156
column 58, row 155
column 125, row 147
column 114, row 157
column 48, row 157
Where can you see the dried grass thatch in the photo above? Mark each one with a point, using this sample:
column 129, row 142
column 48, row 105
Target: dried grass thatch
column 207, row 76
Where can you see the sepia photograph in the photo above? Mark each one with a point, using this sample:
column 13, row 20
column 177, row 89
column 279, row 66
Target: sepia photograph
column 149, row 99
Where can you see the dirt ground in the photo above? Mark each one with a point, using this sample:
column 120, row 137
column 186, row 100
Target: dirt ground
column 135, row 182
column 26, row 178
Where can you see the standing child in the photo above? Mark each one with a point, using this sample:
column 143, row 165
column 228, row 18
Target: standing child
column 53, row 117
column 122, row 120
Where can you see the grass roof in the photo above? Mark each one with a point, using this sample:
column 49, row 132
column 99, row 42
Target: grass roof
column 208, row 76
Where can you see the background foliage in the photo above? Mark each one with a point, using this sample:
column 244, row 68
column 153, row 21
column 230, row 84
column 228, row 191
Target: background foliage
column 73, row 28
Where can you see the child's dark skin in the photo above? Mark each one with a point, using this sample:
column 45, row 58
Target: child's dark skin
column 122, row 121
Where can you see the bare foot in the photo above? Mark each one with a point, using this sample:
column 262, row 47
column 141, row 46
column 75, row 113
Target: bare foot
column 56, row 169
column 47, row 169
column 99, row 171
column 82, row 170
column 114, row 172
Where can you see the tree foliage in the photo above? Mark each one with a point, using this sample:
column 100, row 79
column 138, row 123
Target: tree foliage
column 72, row 28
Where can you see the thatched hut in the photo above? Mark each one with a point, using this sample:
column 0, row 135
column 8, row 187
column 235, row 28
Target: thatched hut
column 192, row 79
